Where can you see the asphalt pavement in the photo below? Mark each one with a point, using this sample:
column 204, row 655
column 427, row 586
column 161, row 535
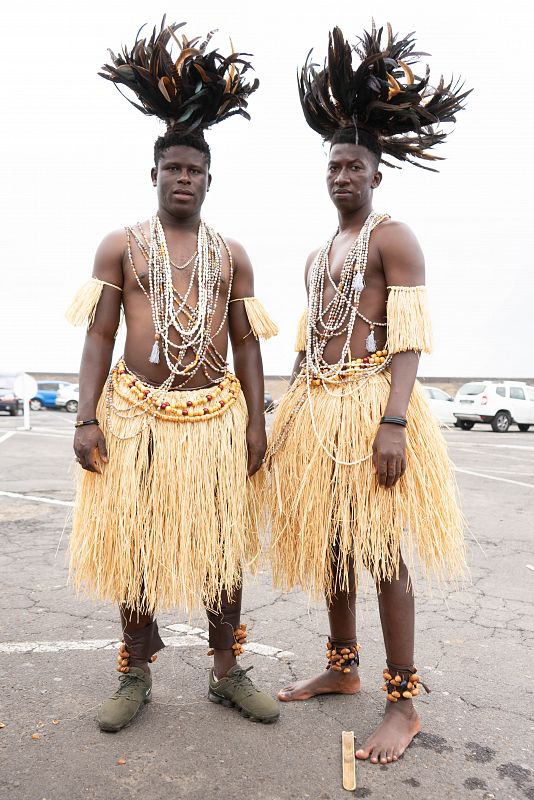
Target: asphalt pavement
column 474, row 649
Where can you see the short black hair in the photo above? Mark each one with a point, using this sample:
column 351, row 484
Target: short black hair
column 174, row 137
column 351, row 135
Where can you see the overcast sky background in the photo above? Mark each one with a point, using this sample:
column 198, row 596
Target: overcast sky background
column 76, row 159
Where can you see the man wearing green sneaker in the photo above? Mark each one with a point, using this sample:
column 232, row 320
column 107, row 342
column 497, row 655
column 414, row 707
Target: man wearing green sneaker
column 171, row 444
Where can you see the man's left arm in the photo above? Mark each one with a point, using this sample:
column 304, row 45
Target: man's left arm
column 404, row 270
column 247, row 356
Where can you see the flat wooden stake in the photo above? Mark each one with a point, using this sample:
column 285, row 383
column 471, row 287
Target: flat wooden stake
column 349, row 761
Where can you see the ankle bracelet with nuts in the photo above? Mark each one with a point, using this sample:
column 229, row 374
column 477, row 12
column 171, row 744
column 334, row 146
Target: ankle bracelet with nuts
column 123, row 658
column 342, row 657
column 402, row 683
column 240, row 638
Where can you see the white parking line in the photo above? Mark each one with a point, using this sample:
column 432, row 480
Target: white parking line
column 499, row 446
column 190, row 637
column 7, row 436
column 34, row 432
column 51, row 500
column 493, row 477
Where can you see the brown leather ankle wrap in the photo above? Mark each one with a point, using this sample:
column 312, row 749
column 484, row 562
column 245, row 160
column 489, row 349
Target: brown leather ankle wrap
column 143, row 643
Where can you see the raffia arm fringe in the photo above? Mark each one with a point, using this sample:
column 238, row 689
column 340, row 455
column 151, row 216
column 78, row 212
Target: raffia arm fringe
column 409, row 326
column 82, row 310
column 302, row 331
column 262, row 325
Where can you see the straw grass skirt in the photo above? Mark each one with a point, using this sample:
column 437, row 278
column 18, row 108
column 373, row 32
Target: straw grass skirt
column 173, row 518
column 321, row 510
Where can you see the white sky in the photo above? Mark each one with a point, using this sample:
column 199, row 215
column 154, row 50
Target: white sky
column 76, row 158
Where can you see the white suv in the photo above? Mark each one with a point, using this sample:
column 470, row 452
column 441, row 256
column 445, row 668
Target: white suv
column 68, row 397
column 498, row 404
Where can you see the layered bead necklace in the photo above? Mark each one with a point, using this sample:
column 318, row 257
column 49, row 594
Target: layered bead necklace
column 169, row 306
column 337, row 318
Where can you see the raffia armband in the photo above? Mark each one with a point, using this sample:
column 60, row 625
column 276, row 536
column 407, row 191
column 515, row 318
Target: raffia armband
column 261, row 325
column 302, row 332
column 408, row 321
column 83, row 307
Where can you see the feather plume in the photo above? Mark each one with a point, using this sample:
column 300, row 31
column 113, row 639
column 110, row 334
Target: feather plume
column 382, row 95
column 193, row 90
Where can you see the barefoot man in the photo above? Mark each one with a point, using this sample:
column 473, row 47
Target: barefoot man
column 361, row 478
column 165, row 514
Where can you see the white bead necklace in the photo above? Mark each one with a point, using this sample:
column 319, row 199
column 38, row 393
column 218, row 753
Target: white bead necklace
column 337, row 318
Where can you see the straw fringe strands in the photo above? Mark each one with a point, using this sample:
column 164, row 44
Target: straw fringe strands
column 174, row 518
column 261, row 324
column 302, row 332
column 409, row 326
column 323, row 509
column 82, row 310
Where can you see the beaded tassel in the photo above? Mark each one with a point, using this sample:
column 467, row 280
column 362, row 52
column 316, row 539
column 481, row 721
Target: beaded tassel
column 370, row 342
column 154, row 353
column 359, row 283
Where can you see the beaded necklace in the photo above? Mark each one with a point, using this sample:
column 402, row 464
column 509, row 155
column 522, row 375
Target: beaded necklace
column 169, row 306
column 337, row 318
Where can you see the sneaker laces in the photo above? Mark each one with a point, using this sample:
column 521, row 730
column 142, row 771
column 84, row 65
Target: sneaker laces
column 127, row 685
column 240, row 678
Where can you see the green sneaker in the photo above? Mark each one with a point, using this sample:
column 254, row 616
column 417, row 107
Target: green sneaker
column 236, row 689
column 120, row 709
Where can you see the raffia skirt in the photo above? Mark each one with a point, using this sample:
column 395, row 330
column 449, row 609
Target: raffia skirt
column 327, row 516
column 173, row 518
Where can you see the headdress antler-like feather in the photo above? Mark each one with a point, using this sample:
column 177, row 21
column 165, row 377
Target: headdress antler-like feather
column 193, row 91
column 382, row 96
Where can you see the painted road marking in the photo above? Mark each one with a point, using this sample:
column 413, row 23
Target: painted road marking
column 499, row 446
column 7, row 436
column 493, row 477
column 43, row 433
column 190, row 637
column 52, row 501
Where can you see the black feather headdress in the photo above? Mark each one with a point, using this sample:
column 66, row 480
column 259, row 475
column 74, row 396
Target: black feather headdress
column 382, row 97
column 190, row 92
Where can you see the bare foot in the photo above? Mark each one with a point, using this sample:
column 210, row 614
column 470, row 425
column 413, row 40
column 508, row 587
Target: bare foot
column 393, row 735
column 327, row 682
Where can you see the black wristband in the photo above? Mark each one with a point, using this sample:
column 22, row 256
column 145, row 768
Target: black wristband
column 83, row 422
column 394, row 421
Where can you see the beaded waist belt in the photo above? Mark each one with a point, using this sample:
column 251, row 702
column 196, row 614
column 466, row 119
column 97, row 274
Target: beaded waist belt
column 189, row 405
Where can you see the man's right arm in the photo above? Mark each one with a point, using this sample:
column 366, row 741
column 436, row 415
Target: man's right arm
column 89, row 442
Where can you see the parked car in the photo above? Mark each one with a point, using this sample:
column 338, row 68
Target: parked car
column 499, row 404
column 441, row 404
column 46, row 394
column 67, row 398
column 9, row 401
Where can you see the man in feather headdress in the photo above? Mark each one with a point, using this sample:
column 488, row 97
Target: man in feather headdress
column 165, row 514
column 374, row 477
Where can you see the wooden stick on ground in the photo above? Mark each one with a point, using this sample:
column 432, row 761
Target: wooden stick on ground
column 349, row 761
